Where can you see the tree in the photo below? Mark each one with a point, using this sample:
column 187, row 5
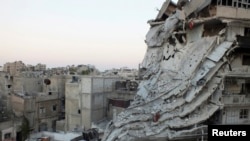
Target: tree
column 25, row 129
column 85, row 72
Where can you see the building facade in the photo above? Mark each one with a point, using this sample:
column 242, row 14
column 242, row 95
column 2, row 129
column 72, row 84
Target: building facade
column 86, row 101
column 14, row 68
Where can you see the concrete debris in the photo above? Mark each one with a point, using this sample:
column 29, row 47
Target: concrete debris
column 185, row 63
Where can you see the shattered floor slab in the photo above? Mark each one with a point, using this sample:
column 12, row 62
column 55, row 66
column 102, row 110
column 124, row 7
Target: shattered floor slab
column 183, row 73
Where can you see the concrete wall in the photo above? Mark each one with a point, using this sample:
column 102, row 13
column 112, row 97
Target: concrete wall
column 47, row 96
column 72, row 103
column 17, row 104
column 87, row 115
column 5, row 125
column 231, row 115
column 11, row 131
column 237, row 63
column 100, row 90
column 48, row 122
column 232, row 12
column 37, row 110
column 98, row 106
column 71, row 114
column 237, row 66
column 97, row 84
column 234, row 99
column 54, row 136
column 24, row 106
column 114, row 111
column 13, row 68
column 86, row 101
column 57, row 85
column 109, row 85
column 86, row 85
column 3, row 83
column 47, row 109
column 28, row 84
column 60, row 125
column 234, row 30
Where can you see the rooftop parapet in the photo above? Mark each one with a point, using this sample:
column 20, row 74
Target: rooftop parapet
column 236, row 9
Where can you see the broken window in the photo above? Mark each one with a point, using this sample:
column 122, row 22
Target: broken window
column 235, row 3
column 245, row 88
column 181, row 37
column 119, row 103
column 213, row 29
column 243, row 113
column 225, row 2
column 247, row 32
column 246, row 60
column 54, row 107
column 126, row 85
column 7, row 136
column 42, row 110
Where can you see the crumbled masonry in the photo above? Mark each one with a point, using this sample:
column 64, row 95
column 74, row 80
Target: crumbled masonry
column 183, row 70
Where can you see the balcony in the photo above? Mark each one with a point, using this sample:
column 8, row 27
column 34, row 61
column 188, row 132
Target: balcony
column 236, row 100
column 234, row 9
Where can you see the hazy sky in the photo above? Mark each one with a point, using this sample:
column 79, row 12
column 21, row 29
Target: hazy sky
column 105, row 33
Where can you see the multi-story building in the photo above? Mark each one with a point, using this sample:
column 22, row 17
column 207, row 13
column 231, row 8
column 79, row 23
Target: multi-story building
column 14, row 68
column 125, row 73
column 195, row 73
column 28, row 83
column 120, row 98
column 40, row 67
column 8, row 124
column 86, row 100
column 39, row 99
column 42, row 109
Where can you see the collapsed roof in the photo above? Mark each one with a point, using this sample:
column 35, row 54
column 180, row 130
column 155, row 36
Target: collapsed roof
column 186, row 60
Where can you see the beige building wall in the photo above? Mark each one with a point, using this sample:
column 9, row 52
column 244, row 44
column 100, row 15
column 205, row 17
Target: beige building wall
column 41, row 110
column 40, row 67
column 86, row 101
column 18, row 105
column 7, row 130
column 236, row 96
column 47, row 111
column 14, row 68
column 238, row 13
column 57, row 84
column 72, row 115
column 6, row 87
column 27, row 84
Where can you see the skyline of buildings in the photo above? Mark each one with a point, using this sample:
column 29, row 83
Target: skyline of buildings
column 38, row 99
column 20, row 65
column 59, row 33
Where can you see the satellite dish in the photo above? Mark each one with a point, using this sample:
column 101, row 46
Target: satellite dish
column 47, row 81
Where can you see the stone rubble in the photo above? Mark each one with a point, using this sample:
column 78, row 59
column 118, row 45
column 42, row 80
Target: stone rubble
column 181, row 74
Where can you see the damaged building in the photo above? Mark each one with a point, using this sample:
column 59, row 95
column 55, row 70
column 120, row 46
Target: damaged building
column 196, row 72
column 40, row 100
column 93, row 99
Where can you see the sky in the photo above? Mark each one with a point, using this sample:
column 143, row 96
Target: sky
column 104, row 33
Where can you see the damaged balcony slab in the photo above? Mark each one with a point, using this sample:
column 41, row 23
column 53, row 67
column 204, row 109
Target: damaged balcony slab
column 190, row 49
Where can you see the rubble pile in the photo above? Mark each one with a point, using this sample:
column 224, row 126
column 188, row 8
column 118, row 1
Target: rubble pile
column 186, row 59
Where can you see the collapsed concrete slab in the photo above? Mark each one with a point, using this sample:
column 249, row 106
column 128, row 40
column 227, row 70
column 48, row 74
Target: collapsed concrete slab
column 186, row 61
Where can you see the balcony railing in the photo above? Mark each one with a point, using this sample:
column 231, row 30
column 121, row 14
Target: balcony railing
column 236, row 100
